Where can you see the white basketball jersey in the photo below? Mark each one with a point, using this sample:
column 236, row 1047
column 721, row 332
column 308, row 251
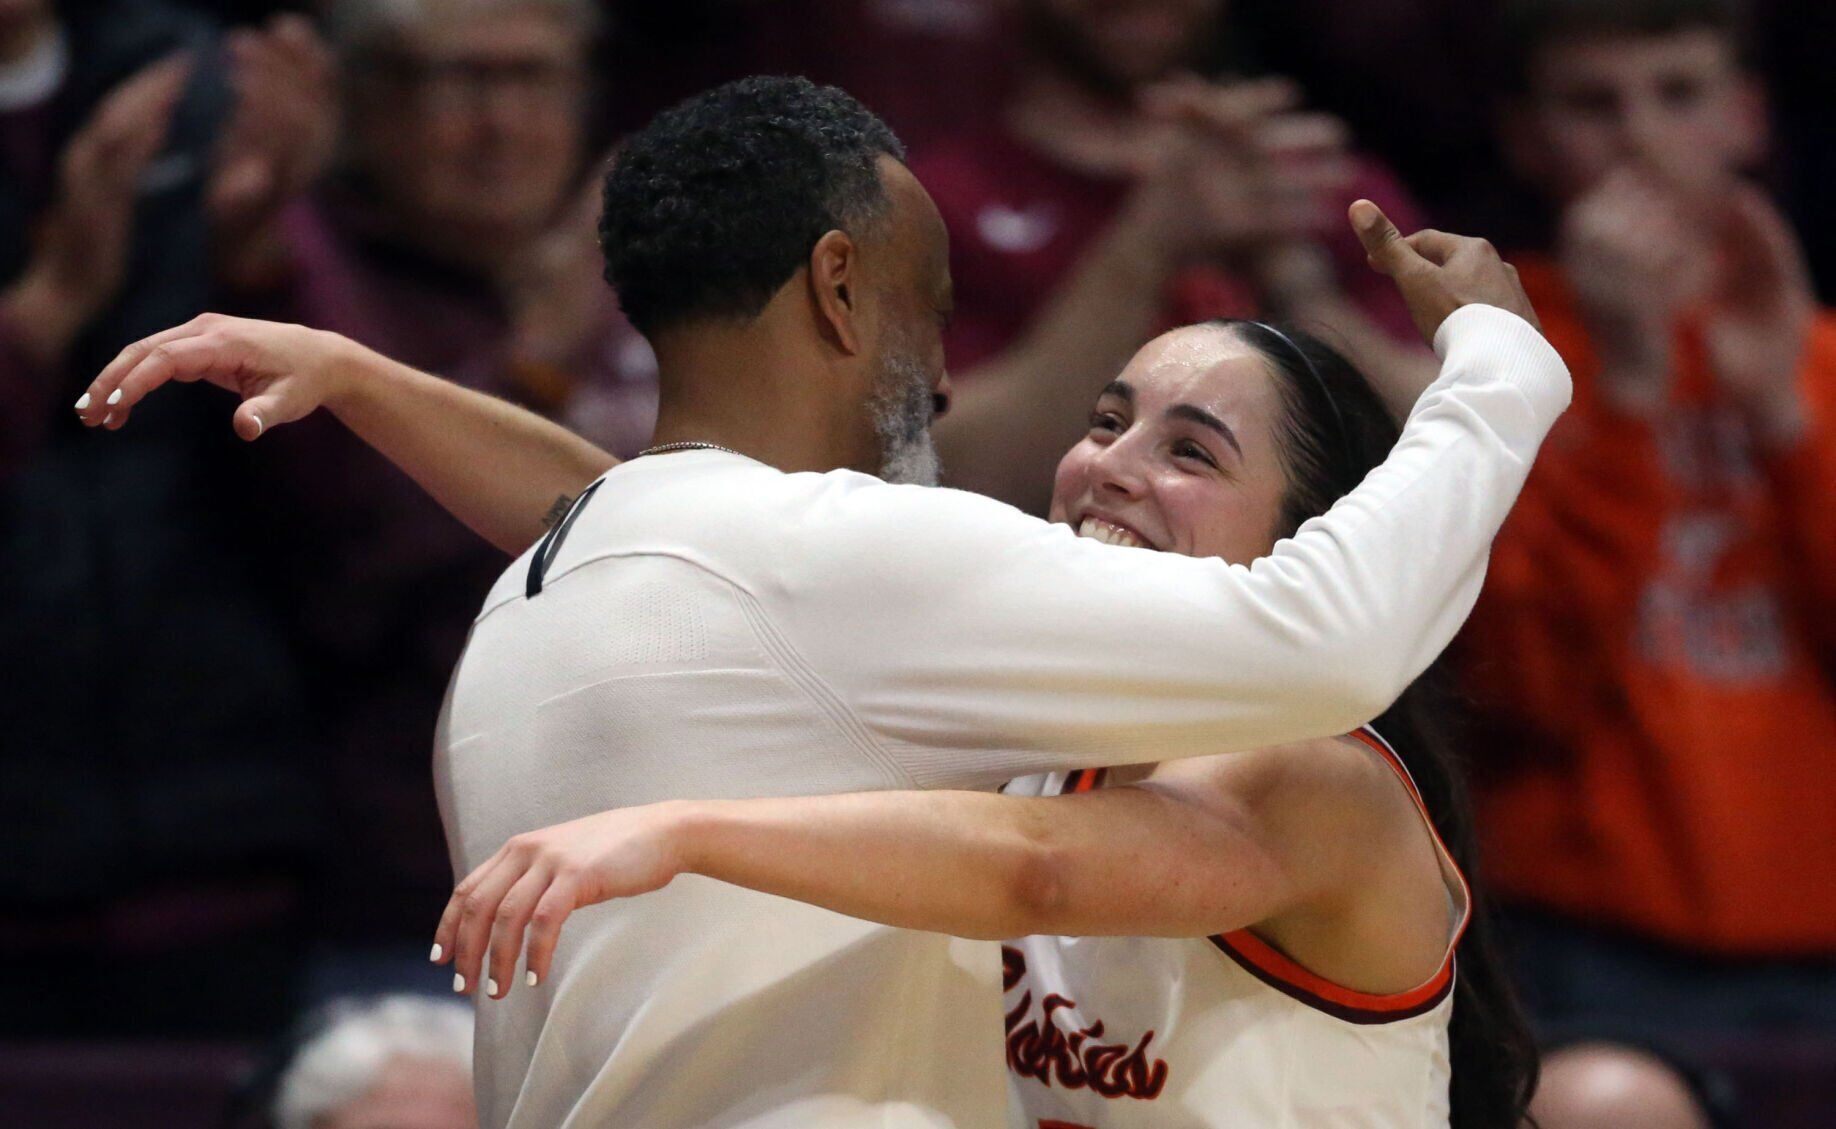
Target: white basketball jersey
column 1120, row 1032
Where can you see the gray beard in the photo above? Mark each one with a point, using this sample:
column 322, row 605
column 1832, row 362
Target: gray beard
column 902, row 410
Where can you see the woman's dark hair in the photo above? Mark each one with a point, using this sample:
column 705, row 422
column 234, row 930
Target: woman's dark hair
column 711, row 207
column 1334, row 431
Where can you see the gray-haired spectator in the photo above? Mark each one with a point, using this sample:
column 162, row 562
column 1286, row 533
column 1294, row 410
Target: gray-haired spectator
column 396, row 1062
column 457, row 229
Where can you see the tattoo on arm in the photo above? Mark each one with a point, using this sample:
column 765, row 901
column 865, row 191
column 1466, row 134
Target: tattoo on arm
column 557, row 511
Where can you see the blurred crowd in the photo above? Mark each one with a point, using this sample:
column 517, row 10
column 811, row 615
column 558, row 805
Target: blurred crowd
column 224, row 661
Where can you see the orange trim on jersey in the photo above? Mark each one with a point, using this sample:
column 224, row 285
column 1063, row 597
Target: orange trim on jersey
column 1279, row 971
column 1375, row 740
column 1083, row 780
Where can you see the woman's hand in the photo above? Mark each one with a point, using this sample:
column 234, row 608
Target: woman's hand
column 281, row 372
column 538, row 878
column 1437, row 272
column 491, row 464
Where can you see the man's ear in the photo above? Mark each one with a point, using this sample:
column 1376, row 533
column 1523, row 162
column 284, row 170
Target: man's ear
column 835, row 289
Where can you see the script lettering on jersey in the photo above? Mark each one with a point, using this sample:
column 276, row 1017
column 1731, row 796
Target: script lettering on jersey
column 1075, row 1059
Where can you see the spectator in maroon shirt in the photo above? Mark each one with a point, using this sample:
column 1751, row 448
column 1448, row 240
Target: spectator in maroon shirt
column 161, row 832
column 455, row 232
column 926, row 67
column 1115, row 193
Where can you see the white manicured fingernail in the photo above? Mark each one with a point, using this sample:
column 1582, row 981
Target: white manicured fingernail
column 257, row 420
column 82, row 401
column 530, row 978
column 490, row 985
column 437, row 953
column 113, row 398
column 458, row 982
column 107, row 418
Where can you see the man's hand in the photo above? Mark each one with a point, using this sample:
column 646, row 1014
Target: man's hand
column 1438, row 273
column 281, row 372
column 537, row 879
column 1761, row 316
column 80, row 255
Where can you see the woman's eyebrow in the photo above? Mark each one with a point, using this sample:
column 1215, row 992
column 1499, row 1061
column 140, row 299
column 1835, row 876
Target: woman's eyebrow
column 1119, row 388
column 1195, row 414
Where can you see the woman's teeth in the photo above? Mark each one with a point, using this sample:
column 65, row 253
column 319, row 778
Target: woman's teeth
column 1109, row 534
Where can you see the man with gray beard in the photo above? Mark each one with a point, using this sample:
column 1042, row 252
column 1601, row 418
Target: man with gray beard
column 744, row 611
column 903, row 407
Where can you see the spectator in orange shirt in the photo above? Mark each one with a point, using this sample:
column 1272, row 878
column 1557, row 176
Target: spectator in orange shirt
column 1657, row 642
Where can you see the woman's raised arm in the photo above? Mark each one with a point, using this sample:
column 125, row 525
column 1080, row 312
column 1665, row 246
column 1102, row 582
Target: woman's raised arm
column 497, row 467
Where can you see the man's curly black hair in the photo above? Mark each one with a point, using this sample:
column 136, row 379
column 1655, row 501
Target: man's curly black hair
column 717, row 202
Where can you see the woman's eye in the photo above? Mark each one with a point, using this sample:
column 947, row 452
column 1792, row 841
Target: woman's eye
column 1187, row 449
column 1105, row 421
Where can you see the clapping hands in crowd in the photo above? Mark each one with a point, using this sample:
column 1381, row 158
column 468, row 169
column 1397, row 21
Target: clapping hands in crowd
column 1640, row 258
column 80, row 248
column 280, row 138
column 1237, row 168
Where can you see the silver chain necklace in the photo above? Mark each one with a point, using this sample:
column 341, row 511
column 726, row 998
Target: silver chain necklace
column 666, row 448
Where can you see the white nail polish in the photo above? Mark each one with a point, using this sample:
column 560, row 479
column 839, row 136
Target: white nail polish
column 490, row 985
column 458, row 982
column 437, row 953
column 530, row 978
column 108, row 418
column 113, row 398
column 82, row 401
column 257, row 420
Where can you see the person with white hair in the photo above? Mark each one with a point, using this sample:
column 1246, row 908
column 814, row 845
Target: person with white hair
column 395, row 1062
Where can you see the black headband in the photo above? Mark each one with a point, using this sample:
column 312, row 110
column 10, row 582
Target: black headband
column 1319, row 382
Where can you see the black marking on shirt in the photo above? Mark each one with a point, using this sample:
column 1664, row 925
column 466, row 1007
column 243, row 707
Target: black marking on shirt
column 551, row 544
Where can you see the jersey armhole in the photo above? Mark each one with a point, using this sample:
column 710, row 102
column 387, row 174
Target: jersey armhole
column 1279, row 971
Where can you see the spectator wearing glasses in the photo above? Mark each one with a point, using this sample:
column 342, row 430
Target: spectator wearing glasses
column 453, row 228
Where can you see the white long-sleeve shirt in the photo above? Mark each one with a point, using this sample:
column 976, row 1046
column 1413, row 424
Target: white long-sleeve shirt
column 710, row 627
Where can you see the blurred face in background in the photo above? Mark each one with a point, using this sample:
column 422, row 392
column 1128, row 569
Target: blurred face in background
column 1121, row 44
column 1676, row 106
column 469, row 124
